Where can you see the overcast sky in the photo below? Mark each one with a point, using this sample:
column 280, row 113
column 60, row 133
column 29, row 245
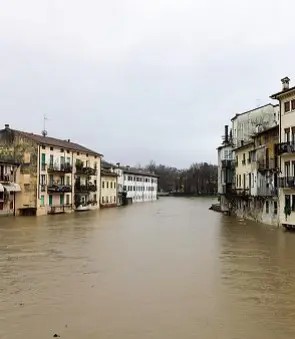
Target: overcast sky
column 139, row 80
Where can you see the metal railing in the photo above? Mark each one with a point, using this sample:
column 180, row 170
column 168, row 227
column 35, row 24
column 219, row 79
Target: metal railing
column 85, row 170
column 64, row 168
column 53, row 188
column 85, row 188
column 285, row 147
column 287, row 182
column 267, row 191
column 6, row 178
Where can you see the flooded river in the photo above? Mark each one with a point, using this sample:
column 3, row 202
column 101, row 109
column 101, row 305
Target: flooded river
column 163, row 270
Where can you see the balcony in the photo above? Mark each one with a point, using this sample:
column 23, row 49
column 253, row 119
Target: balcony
column 85, row 170
column 6, row 178
column 57, row 188
column 85, row 188
column 58, row 209
column 62, row 168
column 266, row 164
column 227, row 163
column 267, row 191
column 285, row 147
column 287, row 182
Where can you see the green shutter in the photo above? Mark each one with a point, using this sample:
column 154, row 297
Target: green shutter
column 50, row 200
column 43, row 158
column 61, row 200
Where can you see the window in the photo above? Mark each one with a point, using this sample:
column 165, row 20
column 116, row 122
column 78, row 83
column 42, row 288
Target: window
column 275, row 207
column 62, row 160
column 51, row 148
column 293, row 135
column 50, row 200
column 94, row 197
column 102, row 199
column 287, row 134
column 287, row 200
column 124, row 188
column 267, row 206
column 43, row 179
column 61, row 199
column 287, row 168
column 114, row 185
column 114, row 199
column 107, row 184
column 62, row 180
column 102, row 184
column 107, row 200
column 293, row 202
column 50, row 180
column 78, row 153
column 51, row 160
column 67, row 199
column 68, row 180
column 43, row 147
column 293, row 104
column 42, row 200
column 287, row 106
column 111, row 184
column 237, row 163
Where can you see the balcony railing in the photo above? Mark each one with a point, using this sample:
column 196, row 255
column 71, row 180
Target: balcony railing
column 53, row 188
column 287, row 182
column 85, row 188
column 227, row 163
column 285, row 147
column 86, row 170
column 267, row 191
column 59, row 209
column 266, row 164
column 64, row 168
column 6, row 178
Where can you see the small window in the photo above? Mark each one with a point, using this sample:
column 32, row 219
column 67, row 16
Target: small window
column 103, row 184
column 51, row 148
column 78, row 153
column 293, row 104
column 267, row 207
column 102, row 199
column 293, row 202
column 275, row 207
column 86, row 154
column 287, row 106
column 43, row 147
column 68, row 151
column 107, row 184
column 62, row 150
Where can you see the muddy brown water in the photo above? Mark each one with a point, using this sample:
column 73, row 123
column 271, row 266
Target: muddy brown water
column 169, row 269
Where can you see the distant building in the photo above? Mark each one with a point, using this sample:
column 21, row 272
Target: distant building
column 54, row 175
column 247, row 165
column 109, row 187
column 137, row 185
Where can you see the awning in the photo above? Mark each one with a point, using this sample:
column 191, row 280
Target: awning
column 1, row 188
column 12, row 187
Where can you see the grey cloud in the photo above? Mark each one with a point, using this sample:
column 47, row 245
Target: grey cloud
column 141, row 80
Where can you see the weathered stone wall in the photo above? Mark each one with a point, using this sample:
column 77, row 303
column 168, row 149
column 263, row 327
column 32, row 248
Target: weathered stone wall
column 22, row 150
column 256, row 210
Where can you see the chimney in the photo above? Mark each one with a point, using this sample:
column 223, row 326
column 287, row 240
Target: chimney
column 226, row 133
column 6, row 126
column 128, row 167
column 118, row 164
column 285, row 83
column 69, row 140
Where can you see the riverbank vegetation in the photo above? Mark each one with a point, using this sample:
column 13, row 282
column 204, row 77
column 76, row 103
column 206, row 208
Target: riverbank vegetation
column 198, row 179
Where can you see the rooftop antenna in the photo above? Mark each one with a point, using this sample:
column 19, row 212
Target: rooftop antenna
column 44, row 132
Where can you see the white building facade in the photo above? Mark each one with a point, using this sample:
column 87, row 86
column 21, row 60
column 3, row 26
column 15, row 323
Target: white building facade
column 139, row 186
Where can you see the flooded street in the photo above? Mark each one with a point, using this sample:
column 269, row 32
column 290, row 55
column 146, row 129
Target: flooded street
column 169, row 269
